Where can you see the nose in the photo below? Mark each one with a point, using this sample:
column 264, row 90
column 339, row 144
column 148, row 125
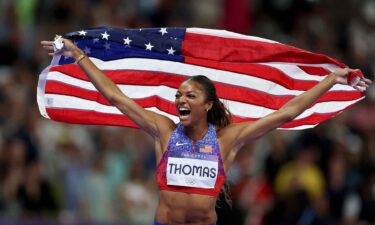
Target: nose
column 182, row 99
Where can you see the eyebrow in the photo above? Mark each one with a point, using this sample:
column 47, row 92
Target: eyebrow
column 188, row 92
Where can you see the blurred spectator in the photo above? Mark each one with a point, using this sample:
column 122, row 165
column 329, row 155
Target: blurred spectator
column 321, row 214
column 35, row 195
column 95, row 194
column 239, row 178
column 277, row 156
column 118, row 154
column 256, row 199
column 138, row 197
column 73, row 166
column 9, row 37
column 337, row 186
column 13, row 161
column 25, row 10
column 367, row 194
column 301, row 174
column 297, row 184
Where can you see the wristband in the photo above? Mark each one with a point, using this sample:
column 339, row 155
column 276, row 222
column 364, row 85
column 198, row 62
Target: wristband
column 82, row 56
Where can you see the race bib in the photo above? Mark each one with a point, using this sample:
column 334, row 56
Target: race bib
column 189, row 172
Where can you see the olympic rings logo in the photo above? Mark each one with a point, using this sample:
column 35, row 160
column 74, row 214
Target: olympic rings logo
column 190, row 181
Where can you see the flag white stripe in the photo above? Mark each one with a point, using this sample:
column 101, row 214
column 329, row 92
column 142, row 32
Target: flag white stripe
column 248, row 110
column 40, row 92
column 293, row 71
column 237, row 79
column 328, row 66
column 298, row 127
column 192, row 70
column 42, row 84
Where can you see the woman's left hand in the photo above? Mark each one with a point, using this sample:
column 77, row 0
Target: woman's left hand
column 342, row 75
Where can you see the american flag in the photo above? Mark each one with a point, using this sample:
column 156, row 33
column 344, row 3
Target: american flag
column 253, row 76
column 205, row 148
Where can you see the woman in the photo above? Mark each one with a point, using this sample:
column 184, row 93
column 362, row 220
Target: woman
column 194, row 155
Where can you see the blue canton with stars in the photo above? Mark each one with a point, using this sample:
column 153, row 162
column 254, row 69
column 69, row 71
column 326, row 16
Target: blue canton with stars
column 107, row 43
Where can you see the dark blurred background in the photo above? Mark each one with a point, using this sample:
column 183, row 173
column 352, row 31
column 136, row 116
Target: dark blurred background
column 55, row 173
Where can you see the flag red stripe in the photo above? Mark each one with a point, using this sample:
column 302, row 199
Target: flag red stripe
column 255, row 70
column 53, row 87
column 321, row 71
column 130, row 77
column 241, row 50
column 74, row 116
column 91, row 117
column 310, row 120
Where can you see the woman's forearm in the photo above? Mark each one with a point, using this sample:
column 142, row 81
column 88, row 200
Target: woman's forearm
column 303, row 101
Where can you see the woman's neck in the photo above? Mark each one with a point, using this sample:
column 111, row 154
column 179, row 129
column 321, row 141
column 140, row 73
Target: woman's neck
column 197, row 132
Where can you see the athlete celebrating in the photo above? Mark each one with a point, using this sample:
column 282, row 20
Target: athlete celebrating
column 194, row 155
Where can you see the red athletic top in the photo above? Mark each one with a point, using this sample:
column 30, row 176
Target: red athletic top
column 191, row 167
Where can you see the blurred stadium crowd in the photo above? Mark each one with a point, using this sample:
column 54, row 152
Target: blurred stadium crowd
column 54, row 173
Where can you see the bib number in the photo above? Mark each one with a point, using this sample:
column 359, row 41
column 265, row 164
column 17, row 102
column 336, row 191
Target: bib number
column 192, row 172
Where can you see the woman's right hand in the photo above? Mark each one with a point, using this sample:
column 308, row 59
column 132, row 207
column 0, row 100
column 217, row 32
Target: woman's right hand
column 342, row 77
column 69, row 49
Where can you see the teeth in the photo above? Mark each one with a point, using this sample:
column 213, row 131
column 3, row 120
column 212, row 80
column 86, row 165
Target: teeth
column 184, row 112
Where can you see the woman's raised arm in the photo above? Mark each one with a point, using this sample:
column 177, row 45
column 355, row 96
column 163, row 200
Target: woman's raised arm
column 243, row 133
column 149, row 121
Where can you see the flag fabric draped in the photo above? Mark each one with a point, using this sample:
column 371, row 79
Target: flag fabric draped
column 253, row 76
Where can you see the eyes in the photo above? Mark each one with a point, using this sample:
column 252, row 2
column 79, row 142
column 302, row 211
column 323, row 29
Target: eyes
column 189, row 95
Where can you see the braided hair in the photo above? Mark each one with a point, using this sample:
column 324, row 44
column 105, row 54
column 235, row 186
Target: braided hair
column 218, row 115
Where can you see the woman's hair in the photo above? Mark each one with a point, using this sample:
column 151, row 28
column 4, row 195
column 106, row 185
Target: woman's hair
column 218, row 115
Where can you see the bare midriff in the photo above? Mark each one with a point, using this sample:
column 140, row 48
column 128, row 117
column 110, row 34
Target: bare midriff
column 178, row 208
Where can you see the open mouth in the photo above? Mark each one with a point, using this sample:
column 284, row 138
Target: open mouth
column 183, row 112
